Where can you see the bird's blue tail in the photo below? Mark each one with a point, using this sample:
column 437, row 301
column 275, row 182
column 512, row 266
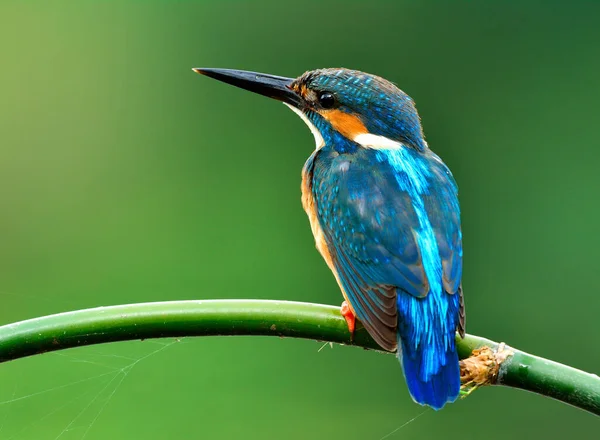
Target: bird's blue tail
column 439, row 388
column 427, row 350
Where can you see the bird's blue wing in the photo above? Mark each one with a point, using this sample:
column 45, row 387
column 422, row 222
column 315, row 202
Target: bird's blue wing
column 372, row 216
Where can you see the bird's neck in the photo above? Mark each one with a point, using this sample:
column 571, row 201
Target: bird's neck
column 327, row 137
column 375, row 137
column 340, row 144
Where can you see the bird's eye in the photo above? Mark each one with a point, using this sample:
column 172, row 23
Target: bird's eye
column 326, row 100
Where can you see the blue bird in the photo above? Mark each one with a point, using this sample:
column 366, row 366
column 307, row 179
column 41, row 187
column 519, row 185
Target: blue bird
column 384, row 212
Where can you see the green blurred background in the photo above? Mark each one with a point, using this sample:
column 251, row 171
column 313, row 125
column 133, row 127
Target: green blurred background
column 125, row 177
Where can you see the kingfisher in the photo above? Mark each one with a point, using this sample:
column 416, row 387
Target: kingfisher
column 384, row 211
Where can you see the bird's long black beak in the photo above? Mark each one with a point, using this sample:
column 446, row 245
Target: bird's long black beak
column 276, row 87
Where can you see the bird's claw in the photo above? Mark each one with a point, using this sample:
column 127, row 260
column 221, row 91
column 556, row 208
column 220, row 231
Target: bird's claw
column 350, row 318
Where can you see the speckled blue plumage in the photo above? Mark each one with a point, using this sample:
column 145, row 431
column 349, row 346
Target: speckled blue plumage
column 391, row 222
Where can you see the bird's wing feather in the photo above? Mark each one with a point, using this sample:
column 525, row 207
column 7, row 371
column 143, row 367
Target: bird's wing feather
column 370, row 226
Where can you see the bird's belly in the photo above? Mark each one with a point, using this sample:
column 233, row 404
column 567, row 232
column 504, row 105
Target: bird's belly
column 308, row 203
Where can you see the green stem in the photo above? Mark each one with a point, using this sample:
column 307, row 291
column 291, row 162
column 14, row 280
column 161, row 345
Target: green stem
column 266, row 318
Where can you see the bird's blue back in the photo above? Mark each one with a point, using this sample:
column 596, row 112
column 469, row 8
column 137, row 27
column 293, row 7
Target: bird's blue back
column 391, row 222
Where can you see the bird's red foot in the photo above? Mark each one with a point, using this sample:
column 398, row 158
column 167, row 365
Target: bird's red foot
column 350, row 318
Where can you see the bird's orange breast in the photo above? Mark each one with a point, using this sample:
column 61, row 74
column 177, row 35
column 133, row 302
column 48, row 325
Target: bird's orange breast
column 309, row 205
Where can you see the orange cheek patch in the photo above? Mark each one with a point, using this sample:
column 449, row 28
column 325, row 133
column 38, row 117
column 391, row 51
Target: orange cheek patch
column 347, row 124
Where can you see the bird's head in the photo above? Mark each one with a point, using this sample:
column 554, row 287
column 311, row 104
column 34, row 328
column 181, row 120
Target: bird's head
column 339, row 104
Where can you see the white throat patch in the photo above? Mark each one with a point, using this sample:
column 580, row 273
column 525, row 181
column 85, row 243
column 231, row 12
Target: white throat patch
column 319, row 141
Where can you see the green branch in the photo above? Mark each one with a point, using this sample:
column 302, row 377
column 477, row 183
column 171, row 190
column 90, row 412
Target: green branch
column 499, row 365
